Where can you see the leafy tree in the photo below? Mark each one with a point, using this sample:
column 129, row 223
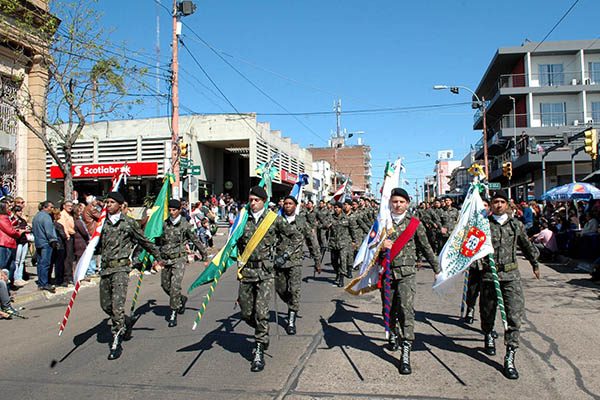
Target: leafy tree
column 89, row 76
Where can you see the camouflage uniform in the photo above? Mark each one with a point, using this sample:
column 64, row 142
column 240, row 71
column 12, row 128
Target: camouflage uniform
column 505, row 239
column 403, row 278
column 116, row 244
column 434, row 230
column 173, row 251
column 449, row 218
column 256, row 283
column 323, row 221
column 288, row 277
column 311, row 218
column 474, row 283
column 343, row 233
column 363, row 220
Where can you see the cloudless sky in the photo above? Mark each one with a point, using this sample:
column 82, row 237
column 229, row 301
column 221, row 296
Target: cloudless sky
column 369, row 54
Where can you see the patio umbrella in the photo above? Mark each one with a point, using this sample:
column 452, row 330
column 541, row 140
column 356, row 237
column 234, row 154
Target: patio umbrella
column 573, row 191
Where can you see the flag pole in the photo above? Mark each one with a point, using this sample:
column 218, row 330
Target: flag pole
column 498, row 291
column 207, row 299
column 463, row 303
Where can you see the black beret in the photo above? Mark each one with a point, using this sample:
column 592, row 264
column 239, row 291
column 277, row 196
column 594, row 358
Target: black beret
column 499, row 194
column 355, row 201
column 348, row 201
column 400, row 192
column 174, row 203
column 485, row 199
column 295, row 200
column 337, row 204
column 116, row 196
column 259, row 192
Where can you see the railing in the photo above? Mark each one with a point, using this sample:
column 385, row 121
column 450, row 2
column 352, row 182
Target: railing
column 566, row 78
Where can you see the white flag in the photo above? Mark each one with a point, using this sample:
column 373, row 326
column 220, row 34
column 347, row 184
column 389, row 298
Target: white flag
column 470, row 240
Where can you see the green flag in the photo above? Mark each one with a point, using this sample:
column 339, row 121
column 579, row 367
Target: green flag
column 160, row 212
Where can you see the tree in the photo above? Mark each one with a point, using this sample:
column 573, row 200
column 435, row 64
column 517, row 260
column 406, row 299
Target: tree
column 89, row 77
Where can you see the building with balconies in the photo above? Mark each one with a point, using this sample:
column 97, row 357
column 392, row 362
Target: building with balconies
column 537, row 95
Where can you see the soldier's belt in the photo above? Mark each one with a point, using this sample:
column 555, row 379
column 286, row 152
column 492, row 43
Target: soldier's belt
column 508, row 267
column 118, row 263
column 172, row 256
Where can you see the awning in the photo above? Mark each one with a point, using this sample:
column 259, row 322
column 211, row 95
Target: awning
column 593, row 177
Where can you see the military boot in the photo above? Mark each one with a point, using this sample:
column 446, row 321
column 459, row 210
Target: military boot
column 469, row 316
column 291, row 327
column 181, row 308
column 393, row 342
column 340, row 282
column 349, row 273
column 115, row 347
column 405, row 358
column 510, row 369
column 258, row 363
column 173, row 319
column 490, row 344
column 128, row 327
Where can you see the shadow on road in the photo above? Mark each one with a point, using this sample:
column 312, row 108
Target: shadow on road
column 101, row 331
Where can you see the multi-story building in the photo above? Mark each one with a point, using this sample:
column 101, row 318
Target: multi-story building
column 22, row 74
column 538, row 95
column 352, row 161
column 443, row 171
column 322, row 179
column 225, row 151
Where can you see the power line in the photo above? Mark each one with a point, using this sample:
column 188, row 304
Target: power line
column 372, row 110
column 555, row 25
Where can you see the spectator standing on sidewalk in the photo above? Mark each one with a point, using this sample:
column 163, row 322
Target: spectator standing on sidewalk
column 90, row 215
column 22, row 245
column 59, row 252
column 82, row 236
column 8, row 241
column 45, row 240
column 67, row 221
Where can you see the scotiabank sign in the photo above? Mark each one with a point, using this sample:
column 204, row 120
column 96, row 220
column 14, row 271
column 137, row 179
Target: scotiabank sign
column 106, row 170
column 288, row 177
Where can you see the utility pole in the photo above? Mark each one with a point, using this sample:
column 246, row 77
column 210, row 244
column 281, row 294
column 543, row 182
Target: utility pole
column 157, row 56
column 175, row 113
column 337, row 106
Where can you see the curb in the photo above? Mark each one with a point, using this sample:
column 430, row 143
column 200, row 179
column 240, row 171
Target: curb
column 44, row 295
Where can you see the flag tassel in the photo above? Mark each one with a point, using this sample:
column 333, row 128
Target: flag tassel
column 463, row 303
column 498, row 291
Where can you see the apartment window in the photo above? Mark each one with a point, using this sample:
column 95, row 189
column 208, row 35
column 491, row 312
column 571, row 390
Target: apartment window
column 596, row 111
column 594, row 71
column 551, row 74
column 553, row 114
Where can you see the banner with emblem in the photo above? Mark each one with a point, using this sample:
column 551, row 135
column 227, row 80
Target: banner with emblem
column 470, row 240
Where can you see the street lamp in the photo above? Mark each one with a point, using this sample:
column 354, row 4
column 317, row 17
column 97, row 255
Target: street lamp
column 480, row 103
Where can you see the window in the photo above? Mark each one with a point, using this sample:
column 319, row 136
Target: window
column 596, row 111
column 594, row 72
column 551, row 74
column 553, row 114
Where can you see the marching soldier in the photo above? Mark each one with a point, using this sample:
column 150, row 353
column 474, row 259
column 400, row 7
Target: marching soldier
column 311, row 216
column 288, row 264
column 363, row 227
column 256, row 277
column 407, row 238
column 323, row 221
column 177, row 233
column 449, row 218
column 507, row 232
column 434, row 213
column 119, row 235
column 341, row 241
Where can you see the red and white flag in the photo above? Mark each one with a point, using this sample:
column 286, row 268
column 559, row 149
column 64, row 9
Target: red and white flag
column 340, row 192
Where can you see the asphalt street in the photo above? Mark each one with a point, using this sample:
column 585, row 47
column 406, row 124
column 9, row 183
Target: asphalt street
column 339, row 351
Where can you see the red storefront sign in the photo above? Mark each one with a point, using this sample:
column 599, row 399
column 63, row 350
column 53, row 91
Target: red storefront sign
column 106, row 170
column 288, row 177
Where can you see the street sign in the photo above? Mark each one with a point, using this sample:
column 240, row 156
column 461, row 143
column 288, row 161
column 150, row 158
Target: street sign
column 185, row 162
column 494, row 185
column 195, row 169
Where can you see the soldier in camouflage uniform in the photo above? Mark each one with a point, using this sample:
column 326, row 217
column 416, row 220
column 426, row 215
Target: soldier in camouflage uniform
column 363, row 226
column 177, row 233
column 434, row 213
column 507, row 232
column 323, row 221
column 256, row 282
column 288, row 264
column 341, row 239
column 119, row 235
column 403, row 275
column 311, row 216
column 449, row 217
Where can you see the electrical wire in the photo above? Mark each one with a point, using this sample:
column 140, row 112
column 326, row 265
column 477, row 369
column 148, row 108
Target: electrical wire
column 555, row 25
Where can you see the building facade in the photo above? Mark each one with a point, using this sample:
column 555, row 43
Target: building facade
column 539, row 95
column 224, row 152
column 353, row 162
column 443, row 172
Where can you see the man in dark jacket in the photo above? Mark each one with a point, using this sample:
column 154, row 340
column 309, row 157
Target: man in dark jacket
column 45, row 239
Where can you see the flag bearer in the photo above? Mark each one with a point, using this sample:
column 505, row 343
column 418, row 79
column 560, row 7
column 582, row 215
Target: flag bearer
column 410, row 231
column 119, row 235
column 177, row 233
column 256, row 276
column 507, row 232
column 288, row 264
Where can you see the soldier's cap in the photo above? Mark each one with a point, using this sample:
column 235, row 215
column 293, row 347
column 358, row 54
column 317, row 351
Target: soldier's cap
column 348, row 201
column 485, row 199
column 400, row 192
column 259, row 191
column 295, row 200
column 174, row 203
column 116, row 196
column 500, row 194
column 354, row 201
column 337, row 204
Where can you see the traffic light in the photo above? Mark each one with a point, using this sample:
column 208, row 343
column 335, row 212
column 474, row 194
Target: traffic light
column 507, row 169
column 184, row 149
column 591, row 143
column 454, row 89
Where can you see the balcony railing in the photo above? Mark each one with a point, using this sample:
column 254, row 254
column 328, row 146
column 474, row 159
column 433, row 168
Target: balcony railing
column 566, row 78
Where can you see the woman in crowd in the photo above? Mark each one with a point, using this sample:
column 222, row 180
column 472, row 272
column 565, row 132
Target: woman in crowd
column 8, row 240
column 22, row 245
column 59, row 253
column 82, row 236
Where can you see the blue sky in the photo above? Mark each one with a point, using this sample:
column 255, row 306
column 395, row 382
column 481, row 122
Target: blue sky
column 369, row 54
